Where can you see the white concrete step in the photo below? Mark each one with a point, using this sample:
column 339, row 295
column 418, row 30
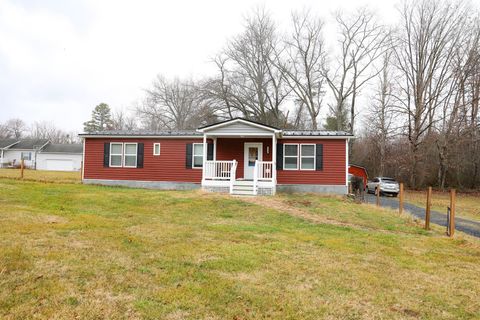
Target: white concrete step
column 243, row 192
column 243, row 188
column 243, row 183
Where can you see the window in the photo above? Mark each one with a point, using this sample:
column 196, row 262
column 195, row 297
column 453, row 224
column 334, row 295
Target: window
column 116, row 151
column 307, row 157
column 156, row 149
column 130, row 156
column 26, row 156
column 290, row 156
column 197, row 155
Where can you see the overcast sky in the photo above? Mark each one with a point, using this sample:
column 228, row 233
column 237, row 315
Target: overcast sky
column 59, row 58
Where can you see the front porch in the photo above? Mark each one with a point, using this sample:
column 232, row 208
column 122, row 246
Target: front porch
column 239, row 158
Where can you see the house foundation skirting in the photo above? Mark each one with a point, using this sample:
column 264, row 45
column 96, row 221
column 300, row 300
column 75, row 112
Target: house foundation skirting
column 315, row 188
column 164, row 185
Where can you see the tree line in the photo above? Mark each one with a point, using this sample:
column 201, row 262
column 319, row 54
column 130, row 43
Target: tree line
column 18, row 129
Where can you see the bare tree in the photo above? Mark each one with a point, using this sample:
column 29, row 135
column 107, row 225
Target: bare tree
column 250, row 81
column 169, row 105
column 14, row 128
column 48, row 130
column 381, row 114
column 305, row 64
column 121, row 120
column 424, row 51
column 362, row 42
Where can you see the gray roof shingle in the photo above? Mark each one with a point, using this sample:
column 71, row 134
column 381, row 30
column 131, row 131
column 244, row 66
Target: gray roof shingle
column 133, row 133
column 29, row 144
column 7, row 142
column 319, row 133
column 63, row 148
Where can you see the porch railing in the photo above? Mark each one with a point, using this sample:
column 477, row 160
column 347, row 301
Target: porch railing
column 220, row 170
column 263, row 171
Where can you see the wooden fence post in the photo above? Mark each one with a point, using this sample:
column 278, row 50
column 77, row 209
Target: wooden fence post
column 452, row 212
column 427, row 208
column 22, row 166
column 377, row 193
column 400, row 199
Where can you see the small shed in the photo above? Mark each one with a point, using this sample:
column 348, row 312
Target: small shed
column 359, row 171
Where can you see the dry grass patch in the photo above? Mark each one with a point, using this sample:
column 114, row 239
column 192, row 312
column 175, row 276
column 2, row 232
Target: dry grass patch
column 71, row 251
column 467, row 204
column 42, row 175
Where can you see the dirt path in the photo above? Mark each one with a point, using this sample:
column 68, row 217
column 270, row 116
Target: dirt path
column 277, row 204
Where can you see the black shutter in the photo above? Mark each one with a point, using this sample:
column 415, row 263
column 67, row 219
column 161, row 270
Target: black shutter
column 106, row 154
column 140, row 156
column 210, row 151
column 279, row 156
column 319, row 157
column 188, row 163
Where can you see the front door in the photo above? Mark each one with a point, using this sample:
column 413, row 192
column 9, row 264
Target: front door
column 252, row 152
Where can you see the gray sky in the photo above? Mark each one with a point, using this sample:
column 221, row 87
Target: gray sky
column 59, row 58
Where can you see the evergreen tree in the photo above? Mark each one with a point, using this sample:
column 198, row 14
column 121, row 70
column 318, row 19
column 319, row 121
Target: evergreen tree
column 101, row 119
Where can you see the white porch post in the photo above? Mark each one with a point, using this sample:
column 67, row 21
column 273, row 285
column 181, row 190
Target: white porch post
column 204, row 164
column 215, row 149
column 274, row 162
column 1, row 158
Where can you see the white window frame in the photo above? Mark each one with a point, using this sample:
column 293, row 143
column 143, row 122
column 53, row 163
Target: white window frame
column 193, row 156
column 130, row 155
column 29, row 155
column 314, row 156
column 285, row 156
column 159, row 149
column 115, row 154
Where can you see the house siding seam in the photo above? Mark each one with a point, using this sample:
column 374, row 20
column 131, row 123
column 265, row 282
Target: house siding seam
column 168, row 166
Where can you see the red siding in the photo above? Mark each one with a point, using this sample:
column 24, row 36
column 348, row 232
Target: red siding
column 168, row 166
column 230, row 149
column 334, row 166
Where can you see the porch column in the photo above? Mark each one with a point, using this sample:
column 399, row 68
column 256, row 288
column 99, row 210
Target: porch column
column 204, row 164
column 215, row 149
column 274, row 160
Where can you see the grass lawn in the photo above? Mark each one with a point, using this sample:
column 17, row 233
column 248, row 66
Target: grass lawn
column 71, row 251
column 42, row 175
column 467, row 204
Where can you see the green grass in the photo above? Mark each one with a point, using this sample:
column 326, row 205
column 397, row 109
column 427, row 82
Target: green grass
column 73, row 251
column 467, row 204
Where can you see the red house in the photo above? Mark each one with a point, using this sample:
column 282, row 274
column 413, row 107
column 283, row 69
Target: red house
column 237, row 156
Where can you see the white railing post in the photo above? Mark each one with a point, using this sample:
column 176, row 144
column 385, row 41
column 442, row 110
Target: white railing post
column 233, row 174
column 255, row 178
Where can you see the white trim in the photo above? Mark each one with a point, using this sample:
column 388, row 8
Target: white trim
column 314, row 156
column 139, row 136
column 83, row 159
column 193, row 156
column 229, row 122
column 159, row 149
column 11, row 145
column 215, row 149
column 317, row 137
column 298, row 150
column 259, row 145
column 346, row 162
column 130, row 155
column 116, row 154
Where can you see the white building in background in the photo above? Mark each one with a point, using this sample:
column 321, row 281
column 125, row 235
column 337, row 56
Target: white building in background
column 60, row 157
column 40, row 154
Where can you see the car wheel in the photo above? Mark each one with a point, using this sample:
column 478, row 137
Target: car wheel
column 394, row 195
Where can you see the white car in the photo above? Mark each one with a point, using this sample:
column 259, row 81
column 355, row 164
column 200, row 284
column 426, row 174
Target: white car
column 386, row 186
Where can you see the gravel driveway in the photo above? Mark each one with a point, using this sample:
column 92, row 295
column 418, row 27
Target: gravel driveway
column 465, row 225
